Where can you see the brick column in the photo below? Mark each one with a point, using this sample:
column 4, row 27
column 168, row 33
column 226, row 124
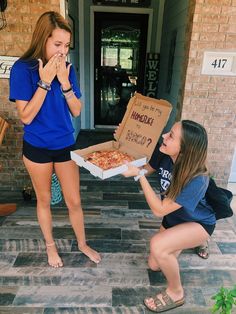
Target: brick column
column 211, row 100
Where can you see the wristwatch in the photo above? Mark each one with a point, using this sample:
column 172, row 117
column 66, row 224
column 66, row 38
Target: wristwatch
column 141, row 173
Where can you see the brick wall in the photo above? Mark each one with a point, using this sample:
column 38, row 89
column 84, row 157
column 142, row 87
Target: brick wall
column 211, row 100
column 21, row 16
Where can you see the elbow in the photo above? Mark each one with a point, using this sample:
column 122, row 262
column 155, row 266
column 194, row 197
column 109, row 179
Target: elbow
column 76, row 113
column 157, row 212
column 159, row 215
column 26, row 121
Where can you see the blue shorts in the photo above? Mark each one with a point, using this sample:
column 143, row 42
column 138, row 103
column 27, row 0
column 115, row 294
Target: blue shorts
column 209, row 228
column 42, row 155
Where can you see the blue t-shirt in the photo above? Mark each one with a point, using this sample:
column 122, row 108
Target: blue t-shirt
column 191, row 198
column 52, row 127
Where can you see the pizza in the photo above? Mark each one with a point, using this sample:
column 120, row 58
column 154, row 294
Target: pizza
column 108, row 159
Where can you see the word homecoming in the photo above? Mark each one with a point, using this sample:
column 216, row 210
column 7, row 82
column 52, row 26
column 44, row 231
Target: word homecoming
column 143, row 118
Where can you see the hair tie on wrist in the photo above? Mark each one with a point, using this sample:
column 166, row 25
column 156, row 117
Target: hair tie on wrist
column 69, row 95
column 66, row 91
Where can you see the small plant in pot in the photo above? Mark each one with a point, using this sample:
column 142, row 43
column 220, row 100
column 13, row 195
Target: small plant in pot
column 225, row 300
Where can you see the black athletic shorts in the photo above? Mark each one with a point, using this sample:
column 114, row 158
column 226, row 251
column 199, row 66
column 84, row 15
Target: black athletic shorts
column 209, row 228
column 42, row 155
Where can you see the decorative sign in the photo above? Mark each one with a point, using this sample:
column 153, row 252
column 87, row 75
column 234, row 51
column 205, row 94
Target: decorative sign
column 144, row 120
column 152, row 70
column 5, row 65
column 219, row 63
column 133, row 3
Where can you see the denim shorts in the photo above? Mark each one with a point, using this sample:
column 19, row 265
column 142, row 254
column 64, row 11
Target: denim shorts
column 42, row 155
column 209, row 228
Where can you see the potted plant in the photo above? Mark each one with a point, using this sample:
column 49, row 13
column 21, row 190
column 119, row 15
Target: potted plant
column 225, row 300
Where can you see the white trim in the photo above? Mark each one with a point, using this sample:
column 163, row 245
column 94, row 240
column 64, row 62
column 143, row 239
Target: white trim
column 111, row 9
column 81, row 59
column 159, row 25
column 63, row 8
column 232, row 177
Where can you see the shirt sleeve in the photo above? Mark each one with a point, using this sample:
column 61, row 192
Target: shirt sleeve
column 193, row 192
column 156, row 157
column 74, row 82
column 20, row 82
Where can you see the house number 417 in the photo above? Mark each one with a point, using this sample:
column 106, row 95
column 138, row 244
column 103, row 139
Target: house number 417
column 219, row 63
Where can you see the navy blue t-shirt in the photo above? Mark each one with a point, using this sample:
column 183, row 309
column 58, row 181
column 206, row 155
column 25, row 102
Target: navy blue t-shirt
column 191, row 198
column 52, row 127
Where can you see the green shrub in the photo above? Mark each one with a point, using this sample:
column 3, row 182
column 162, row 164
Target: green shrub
column 225, row 299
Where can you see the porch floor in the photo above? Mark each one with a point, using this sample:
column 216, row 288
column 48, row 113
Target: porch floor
column 119, row 225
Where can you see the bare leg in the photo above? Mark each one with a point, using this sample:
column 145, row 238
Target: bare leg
column 68, row 176
column 163, row 247
column 152, row 262
column 41, row 179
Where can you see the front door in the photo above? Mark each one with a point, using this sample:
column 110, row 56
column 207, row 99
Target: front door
column 119, row 59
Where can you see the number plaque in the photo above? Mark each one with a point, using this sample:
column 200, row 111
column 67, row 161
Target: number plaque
column 219, row 63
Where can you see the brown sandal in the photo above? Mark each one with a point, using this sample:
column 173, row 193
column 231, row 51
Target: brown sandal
column 162, row 307
column 203, row 251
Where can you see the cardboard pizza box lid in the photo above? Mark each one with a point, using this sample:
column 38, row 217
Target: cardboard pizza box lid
column 143, row 123
column 137, row 135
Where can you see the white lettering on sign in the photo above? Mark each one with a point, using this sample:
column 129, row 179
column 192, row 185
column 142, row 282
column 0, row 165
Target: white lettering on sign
column 152, row 68
column 219, row 63
column 5, row 65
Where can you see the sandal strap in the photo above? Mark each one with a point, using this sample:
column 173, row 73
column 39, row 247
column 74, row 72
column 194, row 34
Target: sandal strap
column 159, row 305
column 166, row 298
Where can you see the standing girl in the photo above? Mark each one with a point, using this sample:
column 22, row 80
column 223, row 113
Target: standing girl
column 46, row 93
column 188, row 220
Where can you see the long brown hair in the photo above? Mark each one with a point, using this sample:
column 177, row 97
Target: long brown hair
column 191, row 160
column 44, row 27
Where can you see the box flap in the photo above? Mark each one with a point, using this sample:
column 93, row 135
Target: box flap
column 143, row 123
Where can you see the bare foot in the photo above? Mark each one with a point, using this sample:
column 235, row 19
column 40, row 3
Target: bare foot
column 54, row 259
column 93, row 255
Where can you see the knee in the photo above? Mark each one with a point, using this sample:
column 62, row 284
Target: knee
column 44, row 200
column 73, row 204
column 152, row 265
column 157, row 248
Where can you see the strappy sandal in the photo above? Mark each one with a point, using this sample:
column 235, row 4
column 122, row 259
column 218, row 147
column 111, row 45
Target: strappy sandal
column 163, row 307
column 203, row 250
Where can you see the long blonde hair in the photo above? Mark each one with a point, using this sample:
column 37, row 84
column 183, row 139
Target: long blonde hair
column 44, row 27
column 191, row 160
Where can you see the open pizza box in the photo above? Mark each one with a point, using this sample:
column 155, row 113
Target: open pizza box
column 137, row 135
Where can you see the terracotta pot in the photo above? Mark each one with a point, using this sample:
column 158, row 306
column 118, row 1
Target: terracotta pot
column 7, row 209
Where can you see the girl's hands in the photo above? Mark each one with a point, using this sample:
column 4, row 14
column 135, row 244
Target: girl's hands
column 63, row 71
column 132, row 171
column 55, row 66
column 48, row 72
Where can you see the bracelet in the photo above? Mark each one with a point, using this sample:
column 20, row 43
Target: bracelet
column 141, row 173
column 69, row 95
column 44, row 85
column 67, row 90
